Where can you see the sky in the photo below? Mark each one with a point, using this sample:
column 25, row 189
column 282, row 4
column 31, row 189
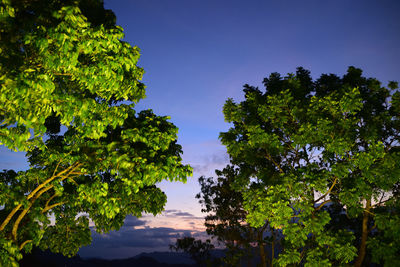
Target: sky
column 197, row 54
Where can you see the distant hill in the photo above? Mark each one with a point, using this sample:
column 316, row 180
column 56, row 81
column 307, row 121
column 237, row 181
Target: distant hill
column 168, row 257
column 40, row 258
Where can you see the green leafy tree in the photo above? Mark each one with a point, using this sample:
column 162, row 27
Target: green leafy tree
column 301, row 144
column 69, row 85
column 226, row 220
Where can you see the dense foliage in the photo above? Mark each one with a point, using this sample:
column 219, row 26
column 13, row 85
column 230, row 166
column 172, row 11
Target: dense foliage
column 304, row 146
column 68, row 88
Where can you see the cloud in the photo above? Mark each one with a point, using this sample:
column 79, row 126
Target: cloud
column 170, row 211
column 139, row 235
column 184, row 214
column 133, row 221
column 129, row 241
column 210, row 162
column 218, row 158
column 179, row 213
column 138, row 238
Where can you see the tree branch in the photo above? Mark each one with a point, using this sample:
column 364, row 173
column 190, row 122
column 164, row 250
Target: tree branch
column 39, row 187
column 51, row 179
column 330, row 189
column 50, row 199
column 381, row 202
column 47, row 208
column 323, row 204
column 10, row 215
column 25, row 211
column 55, row 170
column 23, row 244
column 43, row 190
column 275, row 163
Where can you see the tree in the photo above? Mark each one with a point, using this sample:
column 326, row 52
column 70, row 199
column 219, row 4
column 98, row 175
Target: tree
column 302, row 144
column 226, row 220
column 198, row 250
column 68, row 88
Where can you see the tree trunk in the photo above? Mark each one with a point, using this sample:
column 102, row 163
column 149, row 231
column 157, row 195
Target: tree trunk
column 249, row 264
column 273, row 248
column 262, row 254
column 261, row 246
column 364, row 235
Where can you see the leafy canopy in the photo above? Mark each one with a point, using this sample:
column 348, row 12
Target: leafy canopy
column 301, row 144
column 69, row 85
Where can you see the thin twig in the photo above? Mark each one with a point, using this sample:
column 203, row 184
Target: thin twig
column 55, row 170
column 275, row 163
column 330, row 189
column 52, row 206
column 50, row 199
column 323, row 204
column 23, row 244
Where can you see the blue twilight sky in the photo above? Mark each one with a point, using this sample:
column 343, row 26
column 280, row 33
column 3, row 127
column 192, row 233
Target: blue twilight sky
column 196, row 54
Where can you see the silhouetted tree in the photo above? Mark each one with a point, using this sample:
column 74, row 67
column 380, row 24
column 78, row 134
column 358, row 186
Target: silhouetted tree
column 226, row 219
column 197, row 249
